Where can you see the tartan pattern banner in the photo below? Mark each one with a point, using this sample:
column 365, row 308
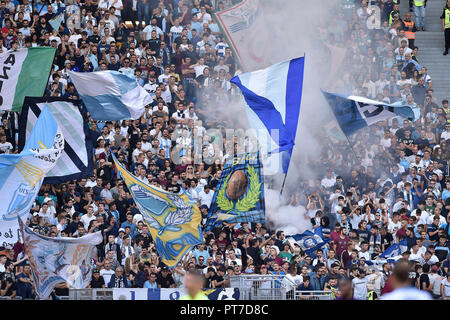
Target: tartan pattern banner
column 239, row 196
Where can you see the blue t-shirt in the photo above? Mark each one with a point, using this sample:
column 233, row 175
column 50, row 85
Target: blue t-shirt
column 149, row 285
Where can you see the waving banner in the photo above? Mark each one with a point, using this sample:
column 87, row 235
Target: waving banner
column 173, row 222
column 59, row 260
column 354, row 113
column 114, row 96
column 76, row 159
column 21, row 175
column 309, row 241
column 243, row 25
column 25, row 73
column 239, row 195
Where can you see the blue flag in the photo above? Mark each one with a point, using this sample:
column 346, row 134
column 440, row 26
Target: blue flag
column 354, row 113
column 273, row 96
column 395, row 250
column 309, row 241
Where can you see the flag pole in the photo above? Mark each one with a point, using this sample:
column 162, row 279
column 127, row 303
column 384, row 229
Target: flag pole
column 282, row 186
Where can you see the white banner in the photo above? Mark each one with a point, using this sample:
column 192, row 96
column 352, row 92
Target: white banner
column 60, row 260
column 244, row 26
column 171, row 294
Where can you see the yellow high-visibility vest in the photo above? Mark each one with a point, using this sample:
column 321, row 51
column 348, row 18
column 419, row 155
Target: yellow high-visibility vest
column 447, row 18
column 419, row 3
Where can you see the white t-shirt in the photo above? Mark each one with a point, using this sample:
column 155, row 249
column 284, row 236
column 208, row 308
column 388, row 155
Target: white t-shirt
column 393, row 227
column 436, row 281
column 205, row 198
column 199, row 70
column 407, row 293
column 107, row 274
column 238, row 261
column 360, row 288
column 86, row 220
column 176, row 32
column 431, row 218
column 206, row 17
column 148, row 31
column 6, row 147
column 423, row 217
column 446, row 284
column 291, row 282
column 445, row 135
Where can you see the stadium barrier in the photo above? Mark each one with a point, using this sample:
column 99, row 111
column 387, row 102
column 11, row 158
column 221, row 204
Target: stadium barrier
column 91, row 294
column 269, row 287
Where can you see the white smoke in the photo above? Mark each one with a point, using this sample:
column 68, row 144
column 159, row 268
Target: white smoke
column 287, row 218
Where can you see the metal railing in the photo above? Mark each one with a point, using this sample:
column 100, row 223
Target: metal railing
column 312, row 295
column 90, row 294
column 259, row 287
column 270, row 287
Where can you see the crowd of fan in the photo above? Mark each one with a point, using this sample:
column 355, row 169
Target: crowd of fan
column 393, row 185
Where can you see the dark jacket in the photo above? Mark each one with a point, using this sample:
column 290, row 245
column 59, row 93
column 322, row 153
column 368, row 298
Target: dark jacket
column 112, row 282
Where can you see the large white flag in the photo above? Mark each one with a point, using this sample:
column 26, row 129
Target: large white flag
column 59, row 260
column 21, row 175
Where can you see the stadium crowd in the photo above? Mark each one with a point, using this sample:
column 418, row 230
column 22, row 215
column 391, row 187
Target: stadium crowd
column 393, row 185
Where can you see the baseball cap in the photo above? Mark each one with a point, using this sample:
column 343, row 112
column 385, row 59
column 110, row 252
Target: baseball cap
column 67, row 61
column 203, row 206
column 121, row 230
column 164, row 269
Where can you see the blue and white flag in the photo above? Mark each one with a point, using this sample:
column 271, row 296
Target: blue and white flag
column 309, row 241
column 56, row 21
column 354, row 113
column 273, row 96
column 395, row 250
column 21, row 175
column 76, row 160
column 59, row 260
column 110, row 95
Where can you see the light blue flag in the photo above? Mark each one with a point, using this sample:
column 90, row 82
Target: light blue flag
column 56, row 21
column 354, row 113
column 113, row 97
column 395, row 250
column 93, row 60
column 273, row 97
column 21, row 175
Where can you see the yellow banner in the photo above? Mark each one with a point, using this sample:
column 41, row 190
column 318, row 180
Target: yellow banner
column 174, row 223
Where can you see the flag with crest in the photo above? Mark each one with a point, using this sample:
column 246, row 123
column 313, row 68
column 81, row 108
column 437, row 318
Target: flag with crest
column 239, row 195
column 173, row 222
